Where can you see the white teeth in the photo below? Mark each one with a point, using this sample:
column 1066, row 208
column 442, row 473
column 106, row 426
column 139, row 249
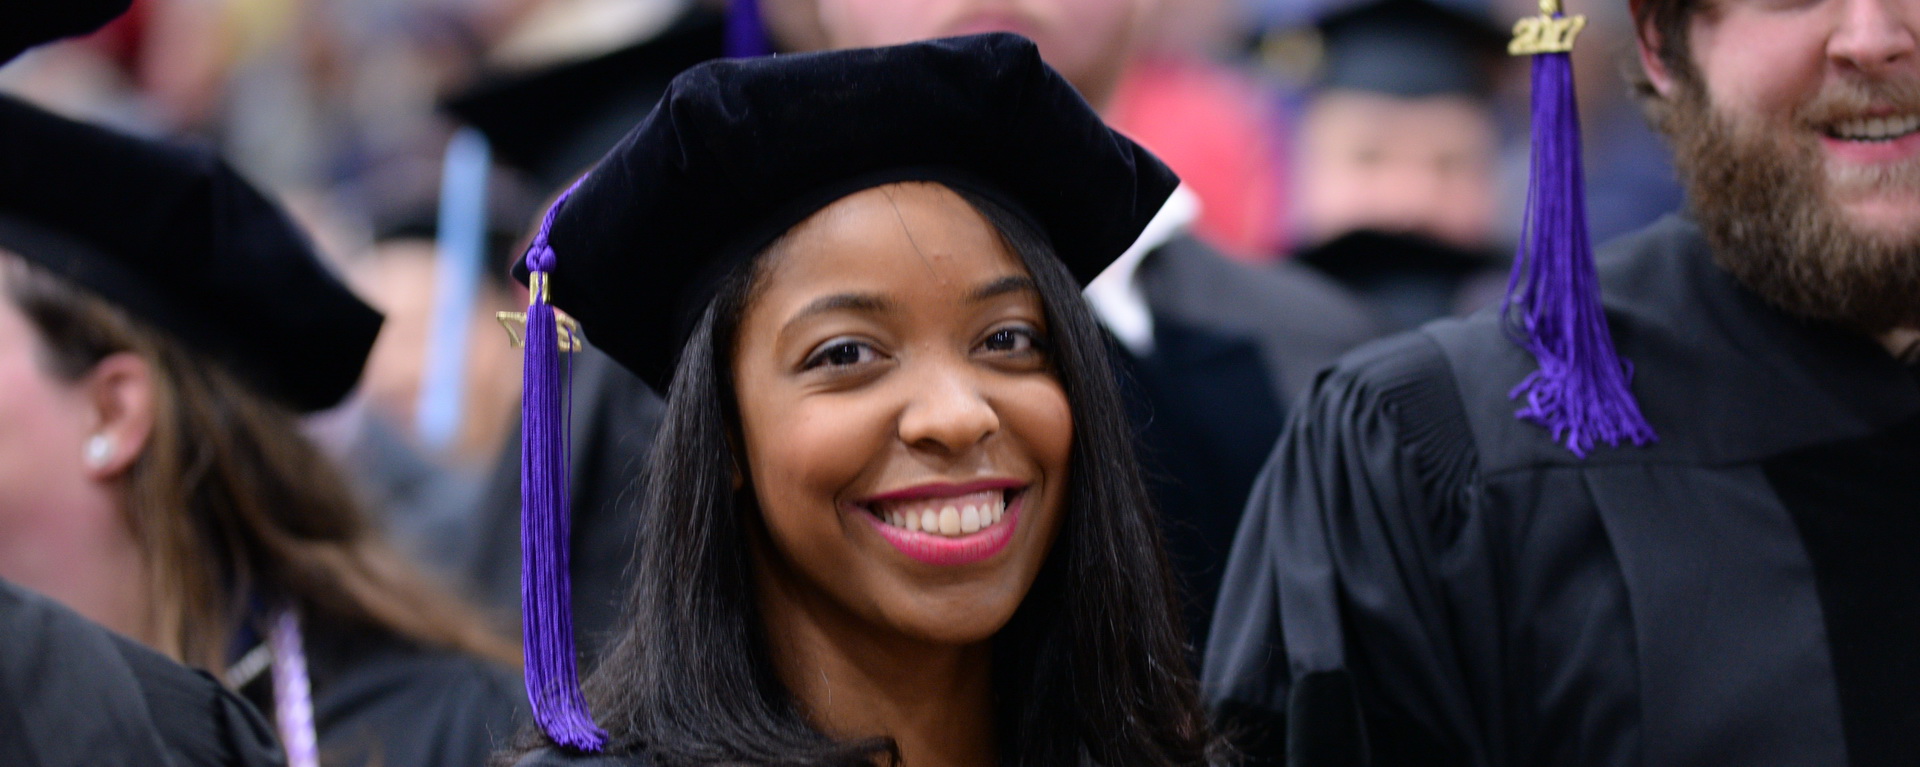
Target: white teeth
column 1877, row 128
column 959, row 515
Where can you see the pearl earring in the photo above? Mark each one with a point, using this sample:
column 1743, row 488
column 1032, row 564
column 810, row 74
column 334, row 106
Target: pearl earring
column 99, row 449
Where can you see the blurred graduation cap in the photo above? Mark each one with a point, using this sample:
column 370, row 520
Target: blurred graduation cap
column 553, row 121
column 1409, row 48
column 737, row 153
column 32, row 22
column 174, row 237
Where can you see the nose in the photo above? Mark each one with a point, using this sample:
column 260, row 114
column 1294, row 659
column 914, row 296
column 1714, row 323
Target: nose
column 947, row 413
column 1874, row 37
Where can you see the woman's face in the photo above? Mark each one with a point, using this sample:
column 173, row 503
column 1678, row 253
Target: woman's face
column 904, row 432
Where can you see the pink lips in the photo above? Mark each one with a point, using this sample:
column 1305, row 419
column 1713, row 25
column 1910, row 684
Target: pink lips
column 1873, row 152
column 945, row 551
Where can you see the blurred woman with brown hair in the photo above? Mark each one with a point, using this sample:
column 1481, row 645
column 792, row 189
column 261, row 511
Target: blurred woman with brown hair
column 162, row 326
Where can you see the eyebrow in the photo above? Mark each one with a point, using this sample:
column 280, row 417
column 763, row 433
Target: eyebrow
column 868, row 303
column 865, row 303
column 1012, row 283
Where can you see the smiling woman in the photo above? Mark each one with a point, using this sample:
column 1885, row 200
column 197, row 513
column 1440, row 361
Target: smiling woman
column 893, row 514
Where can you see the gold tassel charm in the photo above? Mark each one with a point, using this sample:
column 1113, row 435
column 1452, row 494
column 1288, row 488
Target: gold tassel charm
column 516, row 322
column 1549, row 32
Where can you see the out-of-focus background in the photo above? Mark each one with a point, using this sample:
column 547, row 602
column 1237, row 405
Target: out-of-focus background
column 381, row 123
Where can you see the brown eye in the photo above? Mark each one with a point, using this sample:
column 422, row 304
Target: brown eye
column 1013, row 341
column 841, row 353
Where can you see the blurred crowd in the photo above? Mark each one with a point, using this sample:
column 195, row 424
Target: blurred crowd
column 1380, row 145
column 1294, row 121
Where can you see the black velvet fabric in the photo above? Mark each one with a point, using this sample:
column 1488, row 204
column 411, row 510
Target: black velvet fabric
column 1857, row 504
column 32, row 22
column 173, row 236
column 739, row 151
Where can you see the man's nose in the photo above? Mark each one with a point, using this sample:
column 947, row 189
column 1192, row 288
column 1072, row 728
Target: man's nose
column 1874, row 37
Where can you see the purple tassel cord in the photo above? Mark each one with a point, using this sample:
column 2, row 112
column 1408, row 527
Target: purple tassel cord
column 1580, row 393
column 553, row 679
column 746, row 34
column 292, row 691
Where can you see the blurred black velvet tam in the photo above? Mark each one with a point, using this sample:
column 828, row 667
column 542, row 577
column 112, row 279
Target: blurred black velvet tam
column 740, row 151
column 174, row 237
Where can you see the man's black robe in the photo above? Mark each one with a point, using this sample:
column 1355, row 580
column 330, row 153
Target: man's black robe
column 1455, row 588
column 73, row 694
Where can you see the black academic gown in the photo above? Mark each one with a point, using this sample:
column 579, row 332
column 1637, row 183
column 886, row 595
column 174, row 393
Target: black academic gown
column 614, row 417
column 1233, row 344
column 73, row 694
column 1423, row 576
column 379, row 701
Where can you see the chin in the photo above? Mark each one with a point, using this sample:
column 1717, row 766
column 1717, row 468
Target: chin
column 956, row 619
column 1892, row 219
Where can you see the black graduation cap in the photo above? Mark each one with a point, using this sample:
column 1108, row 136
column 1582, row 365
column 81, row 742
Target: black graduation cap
column 1410, row 48
column 553, row 121
column 27, row 23
column 737, row 153
column 173, row 236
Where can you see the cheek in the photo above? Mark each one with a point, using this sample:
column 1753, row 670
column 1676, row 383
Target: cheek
column 41, row 431
column 1760, row 68
column 1035, row 412
column 804, row 452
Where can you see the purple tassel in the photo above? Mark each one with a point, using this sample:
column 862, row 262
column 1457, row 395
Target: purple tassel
column 1552, row 308
column 553, row 680
column 746, row 34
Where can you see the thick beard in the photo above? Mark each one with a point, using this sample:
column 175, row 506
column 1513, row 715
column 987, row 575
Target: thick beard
column 1764, row 199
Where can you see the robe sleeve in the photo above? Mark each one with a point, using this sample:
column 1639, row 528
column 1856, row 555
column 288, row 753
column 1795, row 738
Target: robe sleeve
column 73, row 693
column 1336, row 620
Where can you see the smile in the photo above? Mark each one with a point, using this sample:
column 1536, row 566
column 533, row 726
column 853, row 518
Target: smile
column 1875, row 128
column 948, row 525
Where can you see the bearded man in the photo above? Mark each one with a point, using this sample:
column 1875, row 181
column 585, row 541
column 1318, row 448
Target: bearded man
column 1422, row 578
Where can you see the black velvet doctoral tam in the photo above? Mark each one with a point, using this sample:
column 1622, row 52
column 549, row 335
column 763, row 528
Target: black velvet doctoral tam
column 738, row 152
column 174, row 237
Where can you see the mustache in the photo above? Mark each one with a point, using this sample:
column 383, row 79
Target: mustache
column 1855, row 98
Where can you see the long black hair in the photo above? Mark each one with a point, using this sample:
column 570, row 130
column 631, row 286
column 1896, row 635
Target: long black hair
column 1091, row 669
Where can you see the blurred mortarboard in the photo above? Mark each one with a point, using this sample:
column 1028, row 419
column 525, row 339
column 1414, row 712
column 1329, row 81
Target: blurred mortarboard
column 403, row 202
column 27, row 23
column 1409, row 48
column 740, row 151
column 174, row 237
column 553, row 121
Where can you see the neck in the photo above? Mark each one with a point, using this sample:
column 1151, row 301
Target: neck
column 84, row 557
column 852, row 682
column 1903, row 343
